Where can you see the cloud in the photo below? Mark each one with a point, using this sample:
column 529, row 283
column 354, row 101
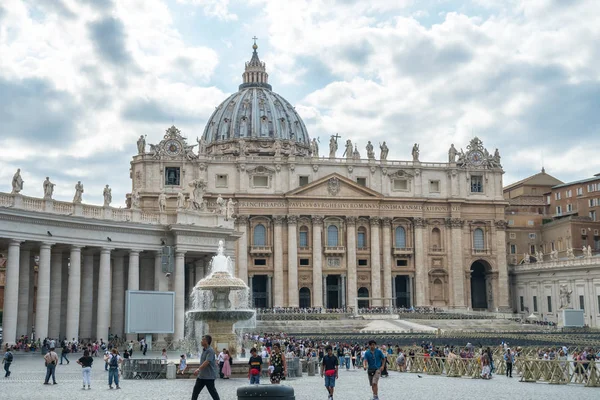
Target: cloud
column 213, row 8
column 108, row 36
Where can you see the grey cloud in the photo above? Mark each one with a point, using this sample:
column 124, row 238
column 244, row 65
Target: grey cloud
column 108, row 36
column 357, row 53
column 103, row 5
column 2, row 13
column 53, row 6
column 152, row 111
column 33, row 109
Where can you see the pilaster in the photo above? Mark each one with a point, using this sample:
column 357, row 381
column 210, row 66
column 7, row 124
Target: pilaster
column 278, row 260
column 317, row 231
column 351, row 261
column 293, row 295
column 375, row 262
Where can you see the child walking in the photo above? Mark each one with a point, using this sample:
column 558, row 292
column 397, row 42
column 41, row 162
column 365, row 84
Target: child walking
column 255, row 364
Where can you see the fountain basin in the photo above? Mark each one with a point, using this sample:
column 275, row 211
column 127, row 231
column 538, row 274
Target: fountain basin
column 221, row 280
column 221, row 315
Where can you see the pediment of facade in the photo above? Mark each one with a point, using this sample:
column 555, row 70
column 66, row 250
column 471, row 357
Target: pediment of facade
column 332, row 186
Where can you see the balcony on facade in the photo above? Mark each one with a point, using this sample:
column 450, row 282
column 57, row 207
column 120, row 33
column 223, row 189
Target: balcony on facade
column 403, row 251
column 335, row 250
column 261, row 250
column 478, row 252
column 436, row 250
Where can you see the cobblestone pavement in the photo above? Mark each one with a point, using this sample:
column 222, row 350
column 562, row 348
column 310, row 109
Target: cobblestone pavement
column 26, row 382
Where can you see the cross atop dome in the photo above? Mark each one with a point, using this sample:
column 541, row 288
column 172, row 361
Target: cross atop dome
column 255, row 73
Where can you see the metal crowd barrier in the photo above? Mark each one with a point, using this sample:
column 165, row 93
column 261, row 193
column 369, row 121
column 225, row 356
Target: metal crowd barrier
column 144, row 369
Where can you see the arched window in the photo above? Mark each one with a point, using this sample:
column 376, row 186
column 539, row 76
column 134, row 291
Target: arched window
column 363, row 292
column 436, row 239
column 332, row 236
column 260, row 235
column 400, row 238
column 438, row 289
column 478, row 239
column 303, row 237
column 361, row 238
column 304, row 297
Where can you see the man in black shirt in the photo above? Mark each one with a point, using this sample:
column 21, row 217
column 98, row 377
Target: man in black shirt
column 255, row 364
column 330, row 369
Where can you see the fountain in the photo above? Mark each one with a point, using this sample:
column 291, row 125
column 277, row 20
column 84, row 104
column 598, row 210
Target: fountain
column 219, row 301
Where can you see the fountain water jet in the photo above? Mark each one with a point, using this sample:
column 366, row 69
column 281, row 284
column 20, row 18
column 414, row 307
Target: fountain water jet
column 220, row 301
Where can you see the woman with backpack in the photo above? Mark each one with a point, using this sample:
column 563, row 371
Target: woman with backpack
column 113, row 360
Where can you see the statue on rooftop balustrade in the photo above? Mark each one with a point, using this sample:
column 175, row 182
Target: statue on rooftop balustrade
column 17, row 182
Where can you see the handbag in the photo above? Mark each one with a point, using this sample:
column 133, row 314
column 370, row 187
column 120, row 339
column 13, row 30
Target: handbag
column 330, row 372
column 254, row 371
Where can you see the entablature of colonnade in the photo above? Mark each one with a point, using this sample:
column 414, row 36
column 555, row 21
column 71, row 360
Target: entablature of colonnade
column 203, row 239
column 587, row 265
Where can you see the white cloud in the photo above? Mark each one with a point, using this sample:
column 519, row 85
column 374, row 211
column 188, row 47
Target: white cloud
column 213, row 8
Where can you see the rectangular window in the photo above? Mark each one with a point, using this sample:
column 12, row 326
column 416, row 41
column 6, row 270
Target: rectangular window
column 532, row 236
column 303, row 180
column 534, row 303
column 549, row 298
column 532, row 249
column 260, row 181
column 221, row 181
column 304, row 262
column 260, row 261
column 400, row 184
column 552, row 246
column 434, row 186
column 513, row 249
column 593, row 215
column 569, row 207
column 557, row 196
column 569, row 193
column 581, row 303
column 303, row 239
column 401, row 263
column 511, row 222
column 547, row 199
column 361, row 181
column 476, row 184
column 363, row 262
column 172, row 176
column 579, row 191
column 558, row 210
column 522, row 303
column 360, row 242
column 530, row 223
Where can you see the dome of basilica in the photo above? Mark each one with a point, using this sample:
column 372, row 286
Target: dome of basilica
column 256, row 120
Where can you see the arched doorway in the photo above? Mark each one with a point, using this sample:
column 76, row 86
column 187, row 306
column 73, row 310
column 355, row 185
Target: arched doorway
column 479, row 295
column 304, row 297
column 363, row 292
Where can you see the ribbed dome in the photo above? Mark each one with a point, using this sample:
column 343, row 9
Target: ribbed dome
column 257, row 115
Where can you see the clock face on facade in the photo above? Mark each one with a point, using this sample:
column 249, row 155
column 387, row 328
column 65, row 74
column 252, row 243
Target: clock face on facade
column 476, row 157
column 172, row 147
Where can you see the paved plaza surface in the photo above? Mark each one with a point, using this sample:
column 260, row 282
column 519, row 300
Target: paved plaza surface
column 28, row 371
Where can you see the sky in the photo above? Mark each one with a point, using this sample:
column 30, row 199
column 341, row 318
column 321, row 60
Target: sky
column 81, row 80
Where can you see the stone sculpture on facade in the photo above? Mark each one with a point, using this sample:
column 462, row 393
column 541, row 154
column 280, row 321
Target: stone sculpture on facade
column 526, row 258
column 333, row 146
column 221, row 206
column 370, row 151
column 314, row 148
column 230, row 209
column 242, row 148
column 135, row 200
column 554, row 255
column 570, row 253
column 539, row 256
column 162, row 202
column 141, row 144
column 565, row 296
column 277, row 148
column 180, row 200
column 78, row 193
column 452, row 154
column 355, row 153
column 415, row 153
column 17, row 182
column 196, row 200
column 48, row 189
column 384, row 151
column 201, row 145
column 107, row 193
column 587, row 251
column 349, row 149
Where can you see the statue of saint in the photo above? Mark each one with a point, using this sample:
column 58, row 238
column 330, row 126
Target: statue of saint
column 349, row 149
column 452, row 154
column 201, row 145
column 370, row 151
column 277, row 148
column 78, row 193
column 384, row 151
column 180, row 200
column 242, row 147
column 526, row 258
column 355, row 153
column 230, row 209
column 314, row 148
column 221, row 206
column 107, row 193
column 162, row 202
column 415, row 152
column 333, row 146
column 48, row 189
column 135, row 200
column 17, row 182
column 570, row 253
column 565, row 296
column 141, row 144
column 496, row 159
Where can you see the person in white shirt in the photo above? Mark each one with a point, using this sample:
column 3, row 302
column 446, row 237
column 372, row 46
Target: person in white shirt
column 221, row 361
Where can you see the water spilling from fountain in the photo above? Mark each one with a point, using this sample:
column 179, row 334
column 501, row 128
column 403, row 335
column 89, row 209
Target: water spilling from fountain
column 220, row 305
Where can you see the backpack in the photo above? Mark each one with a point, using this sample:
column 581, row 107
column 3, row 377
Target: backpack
column 9, row 357
column 114, row 361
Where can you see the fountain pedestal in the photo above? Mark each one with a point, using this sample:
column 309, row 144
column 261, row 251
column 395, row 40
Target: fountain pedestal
column 223, row 336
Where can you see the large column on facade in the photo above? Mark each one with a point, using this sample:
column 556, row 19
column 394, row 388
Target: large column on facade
column 343, row 278
column 324, row 294
column 420, row 267
column 55, row 293
column 179, row 295
column 375, row 262
column 11, row 293
column 87, row 296
column 387, row 280
column 278, row 261
column 242, row 248
column 351, row 261
column 73, row 296
column 24, row 298
column 104, row 294
column 269, row 291
column 133, row 278
column 457, row 275
column 117, row 318
column 317, row 292
column 64, row 293
column 200, row 269
column 293, row 295
column 42, row 308
column 502, row 301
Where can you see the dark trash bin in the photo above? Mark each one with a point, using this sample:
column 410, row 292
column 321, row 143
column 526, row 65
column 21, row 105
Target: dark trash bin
column 272, row 392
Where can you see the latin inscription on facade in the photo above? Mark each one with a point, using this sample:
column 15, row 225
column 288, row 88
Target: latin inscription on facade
column 346, row 206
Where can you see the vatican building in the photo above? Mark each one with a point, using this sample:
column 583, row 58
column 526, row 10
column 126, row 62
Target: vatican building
column 333, row 225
